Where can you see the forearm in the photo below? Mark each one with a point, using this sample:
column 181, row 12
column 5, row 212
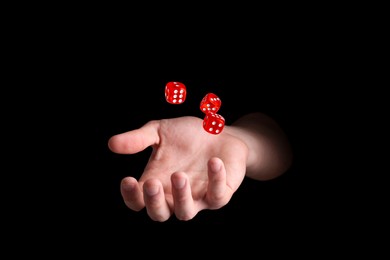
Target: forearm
column 270, row 153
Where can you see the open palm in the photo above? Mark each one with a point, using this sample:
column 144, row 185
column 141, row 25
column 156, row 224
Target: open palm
column 189, row 169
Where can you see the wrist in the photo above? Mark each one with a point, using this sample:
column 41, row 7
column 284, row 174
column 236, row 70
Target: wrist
column 269, row 153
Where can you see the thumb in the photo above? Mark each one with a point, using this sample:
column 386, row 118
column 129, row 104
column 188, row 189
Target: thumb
column 136, row 140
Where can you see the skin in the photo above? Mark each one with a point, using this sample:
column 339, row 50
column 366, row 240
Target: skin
column 190, row 170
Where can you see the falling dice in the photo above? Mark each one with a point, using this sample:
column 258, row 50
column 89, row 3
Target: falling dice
column 175, row 92
column 210, row 103
column 213, row 123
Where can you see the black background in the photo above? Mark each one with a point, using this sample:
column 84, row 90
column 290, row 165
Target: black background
column 93, row 80
column 105, row 90
column 108, row 87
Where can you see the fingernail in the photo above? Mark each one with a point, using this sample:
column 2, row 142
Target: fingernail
column 151, row 190
column 128, row 187
column 215, row 166
column 179, row 182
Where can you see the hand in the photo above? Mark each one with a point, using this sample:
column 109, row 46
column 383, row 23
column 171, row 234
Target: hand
column 189, row 169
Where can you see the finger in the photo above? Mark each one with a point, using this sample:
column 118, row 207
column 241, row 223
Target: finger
column 182, row 198
column 154, row 197
column 136, row 140
column 217, row 189
column 132, row 194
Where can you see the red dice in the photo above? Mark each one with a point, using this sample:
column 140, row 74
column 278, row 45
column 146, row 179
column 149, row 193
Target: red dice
column 210, row 103
column 175, row 92
column 213, row 123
